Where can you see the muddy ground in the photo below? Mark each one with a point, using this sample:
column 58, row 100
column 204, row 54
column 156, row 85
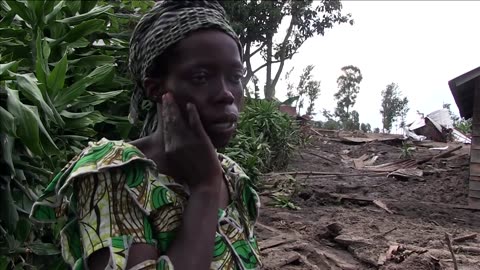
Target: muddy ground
column 339, row 226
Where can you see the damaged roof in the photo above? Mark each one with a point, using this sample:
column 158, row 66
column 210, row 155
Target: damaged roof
column 463, row 90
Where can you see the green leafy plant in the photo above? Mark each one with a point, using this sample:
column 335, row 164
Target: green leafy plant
column 407, row 150
column 62, row 82
column 265, row 139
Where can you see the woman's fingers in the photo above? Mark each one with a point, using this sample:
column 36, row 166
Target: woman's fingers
column 194, row 119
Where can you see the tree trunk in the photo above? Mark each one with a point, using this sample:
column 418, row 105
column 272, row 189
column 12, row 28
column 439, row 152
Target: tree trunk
column 269, row 91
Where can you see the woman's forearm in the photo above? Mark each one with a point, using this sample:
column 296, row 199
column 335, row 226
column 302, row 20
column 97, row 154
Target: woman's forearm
column 194, row 242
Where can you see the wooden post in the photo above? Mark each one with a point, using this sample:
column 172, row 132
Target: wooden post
column 474, row 183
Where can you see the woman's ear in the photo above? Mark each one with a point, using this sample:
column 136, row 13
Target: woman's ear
column 154, row 89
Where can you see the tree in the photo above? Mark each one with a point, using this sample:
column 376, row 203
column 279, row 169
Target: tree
column 393, row 106
column 376, row 130
column 258, row 23
column 365, row 128
column 313, row 91
column 454, row 117
column 348, row 88
column 306, row 87
column 352, row 123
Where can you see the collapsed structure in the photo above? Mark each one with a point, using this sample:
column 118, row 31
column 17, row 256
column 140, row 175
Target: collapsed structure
column 466, row 92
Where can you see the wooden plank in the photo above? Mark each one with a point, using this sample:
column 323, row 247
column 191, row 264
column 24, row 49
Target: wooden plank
column 475, row 156
column 475, row 146
column 474, row 185
column 475, row 169
column 474, row 178
column 474, row 194
column 474, row 203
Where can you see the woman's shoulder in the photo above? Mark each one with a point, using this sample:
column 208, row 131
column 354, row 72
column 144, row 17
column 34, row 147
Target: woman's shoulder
column 102, row 155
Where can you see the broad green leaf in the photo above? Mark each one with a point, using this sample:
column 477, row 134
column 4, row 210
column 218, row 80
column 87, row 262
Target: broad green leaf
column 86, row 6
column 21, row 10
column 23, row 229
column 7, row 123
column 45, row 141
column 93, row 60
column 95, row 98
column 54, row 12
column 27, row 166
column 48, row 6
column 4, row 261
column 13, row 33
column 30, row 90
column 86, row 16
column 68, row 95
column 7, row 66
column 74, row 6
column 41, row 67
column 86, row 121
column 72, row 115
column 80, row 43
column 36, row 8
column 56, row 79
column 44, row 249
column 7, row 19
column 8, row 215
column 28, row 123
column 7, row 144
column 84, row 29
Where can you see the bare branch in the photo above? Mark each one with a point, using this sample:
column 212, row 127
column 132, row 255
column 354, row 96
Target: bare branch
column 264, row 65
column 283, row 51
column 257, row 50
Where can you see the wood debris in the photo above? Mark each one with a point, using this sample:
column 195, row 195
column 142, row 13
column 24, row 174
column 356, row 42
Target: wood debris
column 382, row 205
column 449, row 244
column 464, row 238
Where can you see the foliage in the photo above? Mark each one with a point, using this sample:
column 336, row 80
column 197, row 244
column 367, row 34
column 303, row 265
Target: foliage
column 464, row 125
column 454, row 117
column 407, row 150
column 306, row 87
column 366, row 128
column 393, row 106
column 265, row 138
column 353, row 122
column 348, row 89
column 376, row 130
column 62, row 82
column 258, row 24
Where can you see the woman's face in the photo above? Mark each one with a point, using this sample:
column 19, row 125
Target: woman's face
column 207, row 71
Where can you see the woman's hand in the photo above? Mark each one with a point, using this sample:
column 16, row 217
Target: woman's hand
column 189, row 151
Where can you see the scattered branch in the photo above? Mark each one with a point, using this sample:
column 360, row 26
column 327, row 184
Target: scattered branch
column 449, row 244
column 464, row 238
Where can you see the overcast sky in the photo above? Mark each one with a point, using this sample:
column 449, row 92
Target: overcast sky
column 418, row 45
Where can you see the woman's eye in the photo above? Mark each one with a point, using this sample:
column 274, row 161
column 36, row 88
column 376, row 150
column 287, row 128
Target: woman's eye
column 236, row 77
column 200, row 78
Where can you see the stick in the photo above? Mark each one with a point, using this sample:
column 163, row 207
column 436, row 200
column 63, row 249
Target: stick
column 449, row 244
column 321, row 173
column 464, row 238
column 389, row 231
column 326, row 158
column 439, row 155
column 472, row 250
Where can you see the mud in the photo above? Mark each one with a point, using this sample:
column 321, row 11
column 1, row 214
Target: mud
column 420, row 212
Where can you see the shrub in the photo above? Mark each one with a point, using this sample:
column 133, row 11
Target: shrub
column 265, row 138
column 62, row 80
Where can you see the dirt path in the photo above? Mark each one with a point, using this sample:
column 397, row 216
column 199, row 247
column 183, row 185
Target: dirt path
column 339, row 226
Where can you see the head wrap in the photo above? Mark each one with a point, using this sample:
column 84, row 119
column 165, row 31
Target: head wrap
column 164, row 25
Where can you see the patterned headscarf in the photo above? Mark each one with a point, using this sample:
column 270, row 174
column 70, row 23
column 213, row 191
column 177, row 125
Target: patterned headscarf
column 164, row 25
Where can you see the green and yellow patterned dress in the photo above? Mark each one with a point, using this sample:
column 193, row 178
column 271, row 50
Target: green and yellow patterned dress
column 125, row 200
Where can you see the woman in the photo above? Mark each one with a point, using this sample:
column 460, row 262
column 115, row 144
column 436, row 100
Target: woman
column 166, row 200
